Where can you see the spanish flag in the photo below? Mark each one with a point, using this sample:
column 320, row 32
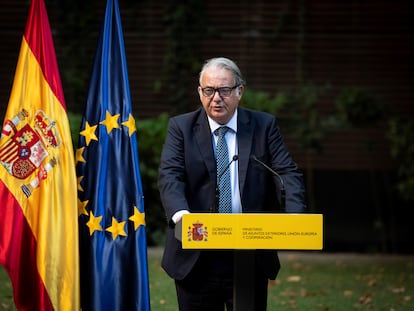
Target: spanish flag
column 38, row 187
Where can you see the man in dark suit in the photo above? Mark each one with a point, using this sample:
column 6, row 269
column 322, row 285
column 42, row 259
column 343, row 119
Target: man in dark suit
column 189, row 181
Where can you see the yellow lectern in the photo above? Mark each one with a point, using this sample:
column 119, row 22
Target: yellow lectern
column 244, row 232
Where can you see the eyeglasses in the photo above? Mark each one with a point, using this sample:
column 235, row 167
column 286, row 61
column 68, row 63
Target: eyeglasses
column 223, row 91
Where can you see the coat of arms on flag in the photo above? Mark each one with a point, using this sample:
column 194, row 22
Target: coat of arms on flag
column 26, row 150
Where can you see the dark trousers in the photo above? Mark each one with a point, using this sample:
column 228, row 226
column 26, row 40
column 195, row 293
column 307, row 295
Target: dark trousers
column 209, row 286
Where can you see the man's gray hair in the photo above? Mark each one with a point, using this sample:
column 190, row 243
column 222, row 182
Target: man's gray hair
column 224, row 63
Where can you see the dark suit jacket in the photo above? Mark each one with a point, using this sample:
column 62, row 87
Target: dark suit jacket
column 187, row 178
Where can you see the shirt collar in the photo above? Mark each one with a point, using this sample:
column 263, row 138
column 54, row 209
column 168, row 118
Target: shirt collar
column 232, row 124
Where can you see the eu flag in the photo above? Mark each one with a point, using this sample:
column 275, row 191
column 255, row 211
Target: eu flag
column 113, row 251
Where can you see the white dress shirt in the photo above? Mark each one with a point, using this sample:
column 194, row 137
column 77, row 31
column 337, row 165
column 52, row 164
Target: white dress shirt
column 231, row 139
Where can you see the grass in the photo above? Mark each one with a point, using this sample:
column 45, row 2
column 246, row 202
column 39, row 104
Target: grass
column 344, row 282
column 308, row 281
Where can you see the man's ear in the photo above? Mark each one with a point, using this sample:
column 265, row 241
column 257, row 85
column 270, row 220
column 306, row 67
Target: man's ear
column 239, row 91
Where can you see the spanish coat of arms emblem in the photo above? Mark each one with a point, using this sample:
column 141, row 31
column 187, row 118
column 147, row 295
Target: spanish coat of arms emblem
column 26, row 150
column 198, row 232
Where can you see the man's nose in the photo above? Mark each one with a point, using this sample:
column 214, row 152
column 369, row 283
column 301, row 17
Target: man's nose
column 216, row 95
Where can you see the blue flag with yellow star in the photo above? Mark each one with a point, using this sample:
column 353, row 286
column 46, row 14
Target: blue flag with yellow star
column 113, row 250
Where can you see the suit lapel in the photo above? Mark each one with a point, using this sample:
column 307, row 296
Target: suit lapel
column 244, row 138
column 202, row 134
column 245, row 129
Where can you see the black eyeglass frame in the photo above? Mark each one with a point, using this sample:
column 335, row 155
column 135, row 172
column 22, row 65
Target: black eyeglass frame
column 227, row 91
